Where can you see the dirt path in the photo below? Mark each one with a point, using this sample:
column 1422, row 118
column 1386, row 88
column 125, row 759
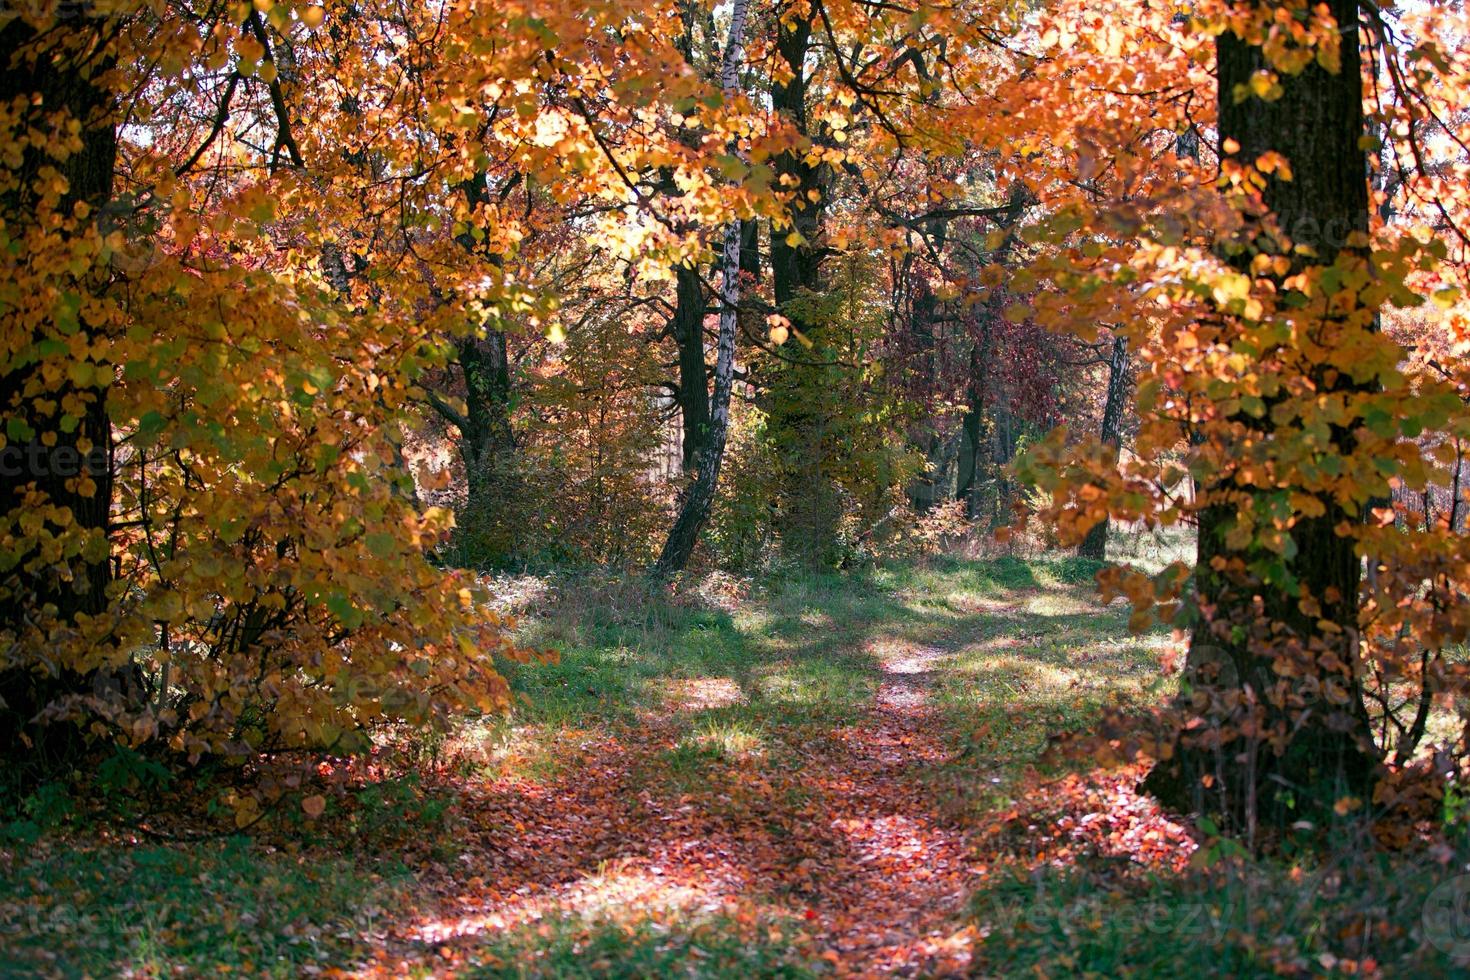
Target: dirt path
column 844, row 851
column 914, row 869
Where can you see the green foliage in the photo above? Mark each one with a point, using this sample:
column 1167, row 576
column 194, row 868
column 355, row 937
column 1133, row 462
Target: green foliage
column 742, row 526
column 47, row 809
column 398, row 809
column 126, row 772
column 830, row 420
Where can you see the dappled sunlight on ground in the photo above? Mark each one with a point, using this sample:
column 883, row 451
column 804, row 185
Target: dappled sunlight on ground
column 738, row 784
column 701, row 693
column 1057, row 604
column 629, row 887
column 1090, row 815
column 812, row 785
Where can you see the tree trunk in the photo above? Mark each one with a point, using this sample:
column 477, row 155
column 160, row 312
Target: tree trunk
column 699, row 498
column 750, row 249
column 1095, row 545
column 1248, row 630
column 973, row 423
column 799, row 415
column 51, row 459
column 932, row 485
column 486, row 438
column 693, row 396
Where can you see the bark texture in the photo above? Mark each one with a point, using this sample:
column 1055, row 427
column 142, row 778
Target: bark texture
column 698, row 499
column 1120, row 377
column 1316, row 125
column 68, row 466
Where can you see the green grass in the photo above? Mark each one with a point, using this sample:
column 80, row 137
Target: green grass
column 729, row 698
column 1260, row 919
column 203, row 908
column 580, row 947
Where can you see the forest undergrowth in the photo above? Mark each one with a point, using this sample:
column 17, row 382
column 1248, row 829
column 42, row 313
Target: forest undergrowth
column 816, row 775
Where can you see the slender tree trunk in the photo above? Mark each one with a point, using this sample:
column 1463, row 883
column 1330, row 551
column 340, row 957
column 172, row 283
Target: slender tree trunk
column 693, row 387
column 930, row 485
column 973, row 423
column 699, row 498
column 1251, row 636
column 1120, row 377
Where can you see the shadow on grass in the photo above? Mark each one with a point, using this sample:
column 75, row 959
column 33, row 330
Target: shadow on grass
column 709, row 760
column 716, row 946
column 1343, row 915
column 196, row 909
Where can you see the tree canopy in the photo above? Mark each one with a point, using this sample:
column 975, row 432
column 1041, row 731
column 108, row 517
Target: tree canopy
column 315, row 313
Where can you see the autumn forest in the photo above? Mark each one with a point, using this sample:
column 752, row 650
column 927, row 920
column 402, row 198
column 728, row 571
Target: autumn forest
column 734, row 488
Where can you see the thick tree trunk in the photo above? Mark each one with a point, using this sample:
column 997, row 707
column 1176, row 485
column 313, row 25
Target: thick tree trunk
column 750, row 249
column 1120, row 377
column 486, row 439
column 1248, row 630
column 810, row 503
column 50, row 459
column 698, row 500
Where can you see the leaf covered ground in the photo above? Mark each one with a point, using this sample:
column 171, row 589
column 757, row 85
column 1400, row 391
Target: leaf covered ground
column 811, row 777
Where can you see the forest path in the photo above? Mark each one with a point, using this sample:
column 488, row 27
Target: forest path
column 811, row 780
column 799, row 839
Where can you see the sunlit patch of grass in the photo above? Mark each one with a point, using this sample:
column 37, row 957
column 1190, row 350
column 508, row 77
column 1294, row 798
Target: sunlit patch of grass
column 714, row 751
column 818, row 692
column 700, row 693
column 1050, row 667
column 1058, row 604
column 727, row 739
column 498, row 749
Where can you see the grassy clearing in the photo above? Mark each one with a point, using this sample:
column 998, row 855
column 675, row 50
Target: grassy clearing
column 719, row 706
